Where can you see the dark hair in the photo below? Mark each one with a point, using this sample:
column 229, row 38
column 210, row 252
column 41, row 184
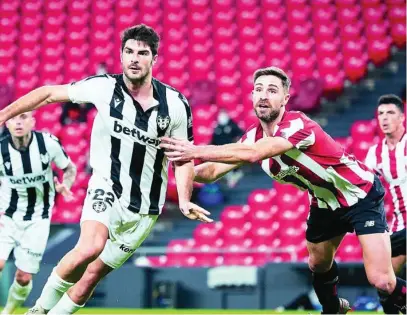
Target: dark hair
column 142, row 33
column 276, row 72
column 391, row 99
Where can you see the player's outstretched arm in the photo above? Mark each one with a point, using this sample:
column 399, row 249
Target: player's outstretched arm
column 184, row 176
column 181, row 150
column 210, row 172
column 35, row 99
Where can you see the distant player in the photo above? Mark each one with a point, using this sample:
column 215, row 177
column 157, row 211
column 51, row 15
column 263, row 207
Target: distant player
column 346, row 195
column 26, row 199
column 389, row 159
column 127, row 190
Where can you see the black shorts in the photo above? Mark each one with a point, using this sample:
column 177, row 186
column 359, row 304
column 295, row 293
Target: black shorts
column 365, row 217
column 398, row 243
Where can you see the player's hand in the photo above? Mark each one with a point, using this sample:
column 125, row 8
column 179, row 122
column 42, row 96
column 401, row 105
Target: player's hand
column 178, row 149
column 62, row 189
column 195, row 212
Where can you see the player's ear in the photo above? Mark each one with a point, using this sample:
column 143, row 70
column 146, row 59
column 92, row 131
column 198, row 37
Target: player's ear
column 33, row 121
column 155, row 58
column 286, row 98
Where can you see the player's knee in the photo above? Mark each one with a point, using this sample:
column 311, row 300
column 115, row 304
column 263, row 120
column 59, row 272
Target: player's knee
column 316, row 264
column 382, row 281
column 23, row 278
column 2, row 264
column 88, row 253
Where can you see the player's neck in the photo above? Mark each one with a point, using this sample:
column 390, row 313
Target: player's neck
column 270, row 127
column 142, row 89
column 21, row 143
column 393, row 138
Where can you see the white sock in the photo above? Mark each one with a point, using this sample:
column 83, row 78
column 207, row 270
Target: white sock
column 53, row 290
column 16, row 296
column 65, row 306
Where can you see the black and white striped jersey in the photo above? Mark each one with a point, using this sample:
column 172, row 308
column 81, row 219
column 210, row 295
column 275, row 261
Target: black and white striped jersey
column 27, row 187
column 125, row 138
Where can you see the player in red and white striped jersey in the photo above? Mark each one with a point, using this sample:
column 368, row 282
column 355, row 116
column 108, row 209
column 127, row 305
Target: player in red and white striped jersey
column 389, row 159
column 345, row 195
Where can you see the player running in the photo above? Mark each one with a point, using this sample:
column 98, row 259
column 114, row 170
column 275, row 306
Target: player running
column 127, row 190
column 389, row 159
column 27, row 195
column 346, row 195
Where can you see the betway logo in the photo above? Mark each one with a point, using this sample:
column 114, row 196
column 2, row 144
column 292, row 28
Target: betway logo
column 291, row 170
column 135, row 133
column 27, row 180
column 126, row 249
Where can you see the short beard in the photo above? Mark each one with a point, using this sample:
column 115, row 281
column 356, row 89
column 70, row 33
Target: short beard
column 269, row 118
column 139, row 81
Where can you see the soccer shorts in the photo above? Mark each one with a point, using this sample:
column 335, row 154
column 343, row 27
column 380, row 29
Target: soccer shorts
column 398, row 243
column 365, row 217
column 127, row 230
column 27, row 238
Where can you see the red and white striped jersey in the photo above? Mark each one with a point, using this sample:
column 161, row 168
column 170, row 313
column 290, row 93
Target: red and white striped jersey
column 317, row 163
column 392, row 165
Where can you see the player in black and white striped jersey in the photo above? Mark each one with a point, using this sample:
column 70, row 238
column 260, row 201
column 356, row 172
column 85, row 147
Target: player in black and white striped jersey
column 128, row 187
column 26, row 198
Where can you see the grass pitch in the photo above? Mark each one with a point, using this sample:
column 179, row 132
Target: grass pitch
column 91, row 310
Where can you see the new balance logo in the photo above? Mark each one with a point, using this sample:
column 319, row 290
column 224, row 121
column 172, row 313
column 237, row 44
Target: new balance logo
column 369, row 223
column 135, row 133
column 126, row 249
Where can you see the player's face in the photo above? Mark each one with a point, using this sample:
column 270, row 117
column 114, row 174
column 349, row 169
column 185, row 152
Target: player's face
column 21, row 125
column 390, row 118
column 269, row 97
column 137, row 60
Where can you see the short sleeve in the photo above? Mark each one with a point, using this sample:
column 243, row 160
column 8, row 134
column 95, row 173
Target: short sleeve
column 252, row 134
column 371, row 161
column 56, row 151
column 88, row 90
column 183, row 127
column 299, row 133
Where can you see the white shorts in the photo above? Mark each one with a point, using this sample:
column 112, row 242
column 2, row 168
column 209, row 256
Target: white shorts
column 27, row 238
column 127, row 230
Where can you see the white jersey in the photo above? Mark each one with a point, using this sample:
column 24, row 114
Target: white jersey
column 125, row 138
column 392, row 165
column 27, row 187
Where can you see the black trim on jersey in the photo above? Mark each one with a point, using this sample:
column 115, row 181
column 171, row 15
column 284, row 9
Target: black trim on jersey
column 31, row 200
column 189, row 117
column 136, row 169
column 31, row 191
column 117, row 101
column 155, row 191
column 45, row 211
column 5, row 152
column 115, row 166
column 116, row 111
column 43, row 151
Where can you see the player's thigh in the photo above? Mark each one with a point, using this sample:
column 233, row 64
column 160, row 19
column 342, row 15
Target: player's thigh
column 127, row 235
column 321, row 255
column 8, row 235
column 28, row 254
column 377, row 256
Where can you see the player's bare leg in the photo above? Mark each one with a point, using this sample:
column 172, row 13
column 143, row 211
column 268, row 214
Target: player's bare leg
column 79, row 294
column 18, row 292
column 379, row 269
column 73, row 265
column 2, row 264
column 325, row 275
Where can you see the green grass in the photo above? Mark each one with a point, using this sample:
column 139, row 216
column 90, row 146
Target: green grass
column 91, row 310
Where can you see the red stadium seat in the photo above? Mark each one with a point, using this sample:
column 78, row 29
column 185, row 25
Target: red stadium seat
column 207, row 234
column 398, row 33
